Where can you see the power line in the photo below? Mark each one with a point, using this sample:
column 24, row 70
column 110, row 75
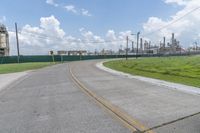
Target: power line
column 153, row 32
column 46, row 37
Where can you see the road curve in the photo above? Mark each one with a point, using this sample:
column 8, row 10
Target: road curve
column 48, row 101
column 158, row 109
column 51, row 100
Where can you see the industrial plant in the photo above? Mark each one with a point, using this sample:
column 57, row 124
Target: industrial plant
column 4, row 41
column 147, row 47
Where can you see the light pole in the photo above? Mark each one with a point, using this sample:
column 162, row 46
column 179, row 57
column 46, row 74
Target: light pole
column 17, row 40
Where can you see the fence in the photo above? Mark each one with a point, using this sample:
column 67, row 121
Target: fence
column 62, row 58
column 56, row 58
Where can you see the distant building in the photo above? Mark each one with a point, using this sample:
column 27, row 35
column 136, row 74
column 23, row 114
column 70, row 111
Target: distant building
column 4, row 41
column 73, row 52
column 79, row 52
column 172, row 48
column 62, row 52
column 106, row 52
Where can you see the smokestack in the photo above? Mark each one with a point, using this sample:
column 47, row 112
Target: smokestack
column 141, row 43
column 164, row 42
column 132, row 46
column 172, row 39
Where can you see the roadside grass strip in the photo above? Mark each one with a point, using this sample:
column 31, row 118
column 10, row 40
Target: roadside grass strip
column 12, row 68
column 184, row 70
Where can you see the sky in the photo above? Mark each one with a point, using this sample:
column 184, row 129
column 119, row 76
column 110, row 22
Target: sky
column 46, row 25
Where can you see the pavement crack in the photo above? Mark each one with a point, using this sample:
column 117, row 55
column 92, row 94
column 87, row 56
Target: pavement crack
column 170, row 122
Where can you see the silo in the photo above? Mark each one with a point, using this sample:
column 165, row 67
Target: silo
column 4, row 41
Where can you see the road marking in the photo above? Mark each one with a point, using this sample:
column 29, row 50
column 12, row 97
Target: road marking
column 126, row 119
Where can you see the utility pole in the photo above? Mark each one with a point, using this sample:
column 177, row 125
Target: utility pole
column 127, row 48
column 138, row 36
column 17, row 39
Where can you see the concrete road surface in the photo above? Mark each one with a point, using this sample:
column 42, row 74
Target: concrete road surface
column 7, row 79
column 47, row 101
column 159, row 108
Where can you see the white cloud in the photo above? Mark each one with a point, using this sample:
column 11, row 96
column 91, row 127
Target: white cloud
column 91, row 41
column 112, row 40
column 36, row 40
column 71, row 8
column 52, row 2
column 186, row 29
column 111, row 35
column 81, row 29
column 2, row 19
column 85, row 12
column 39, row 40
column 179, row 2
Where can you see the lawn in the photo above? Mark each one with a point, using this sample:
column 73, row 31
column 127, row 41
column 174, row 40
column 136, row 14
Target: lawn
column 11, row 68
column 184, row 70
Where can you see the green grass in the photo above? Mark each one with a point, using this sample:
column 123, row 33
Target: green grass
column 184, row 70
column 11, row 68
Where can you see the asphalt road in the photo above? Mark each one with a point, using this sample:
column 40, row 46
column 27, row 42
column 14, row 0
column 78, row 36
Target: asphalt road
column 48, row 101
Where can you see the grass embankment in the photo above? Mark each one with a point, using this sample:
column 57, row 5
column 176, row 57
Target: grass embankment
column 184, row 70
column 11, row 68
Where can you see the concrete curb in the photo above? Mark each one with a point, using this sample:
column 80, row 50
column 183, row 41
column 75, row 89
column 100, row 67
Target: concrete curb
column 169, row 85
column 7, row 79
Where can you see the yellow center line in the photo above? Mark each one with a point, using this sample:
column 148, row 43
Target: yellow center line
column 126, row 119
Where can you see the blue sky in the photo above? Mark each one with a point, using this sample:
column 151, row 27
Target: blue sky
column 99, row 20
column 106, row 14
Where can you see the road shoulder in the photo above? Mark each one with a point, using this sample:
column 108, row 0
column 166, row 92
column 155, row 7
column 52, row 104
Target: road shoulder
column 7, row 79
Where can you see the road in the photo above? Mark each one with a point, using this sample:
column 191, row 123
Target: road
column 78, row 97
column 48, row 101
column 155, row 107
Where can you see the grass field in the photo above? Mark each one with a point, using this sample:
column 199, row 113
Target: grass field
column 184, row 70
column 11, row 68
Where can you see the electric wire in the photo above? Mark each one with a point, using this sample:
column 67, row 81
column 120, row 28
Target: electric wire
column 173, row 22
column 51, row 38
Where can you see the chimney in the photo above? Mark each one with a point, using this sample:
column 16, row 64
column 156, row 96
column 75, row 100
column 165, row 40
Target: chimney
column 141, row 43
column 172, row 39
column 164, row 41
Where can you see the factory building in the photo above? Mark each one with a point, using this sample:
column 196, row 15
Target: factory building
column 4, row 41
column 172, row 47
column 73, row 52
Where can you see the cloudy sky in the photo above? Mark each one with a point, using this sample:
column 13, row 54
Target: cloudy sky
column 96, row 24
